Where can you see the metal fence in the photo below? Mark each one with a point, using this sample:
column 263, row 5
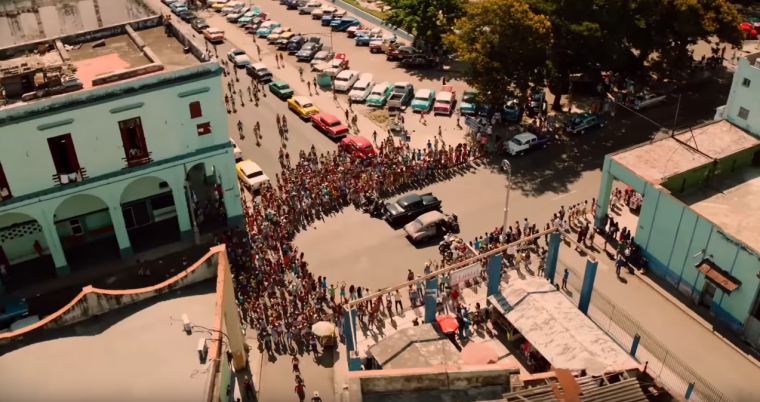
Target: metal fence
column 680, row 379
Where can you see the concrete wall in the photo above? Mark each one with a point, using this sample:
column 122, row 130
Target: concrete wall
column 746, row 97
column 413, row 380
column 670, row 234
column 92, row 301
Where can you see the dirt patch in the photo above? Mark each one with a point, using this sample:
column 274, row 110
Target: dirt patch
column 378, row 116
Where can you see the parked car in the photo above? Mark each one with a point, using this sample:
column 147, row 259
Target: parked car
column 233, row 7
column 329, row 125
column 423, row 100
column 280, row 89
column 199, row 24
column 345, row 23
column 213, row 35
column 644, row 100
column 266, row 28
column 309, row 7
column 345, row 80
column 308, row 51
column 401, row 53
column 469, row 103
column 430, row 225
column 275, row 34
column 417, row 61
column 291, row 4
column 218, row 5
column 295, row 43
column 512, row 111
column 580, row 122
column 187, row 16
column 445, row 101
column 321, row 12
column 234, row 16
column 246, row 18
column 380, row 94
column 321, row 57
column 358, row 147
column 259, row 71
column 403, row 92
column 361, row 89
column 178, row 7
column 251, row 175
column 238, row 58
column 282, row 42
column 522, row 143
column 302, row 106
column 364, row 39
column 335, row 66
column 409, row 207
column 382, row 45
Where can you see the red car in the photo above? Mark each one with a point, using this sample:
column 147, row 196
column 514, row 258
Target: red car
column 329, row 125
column 748, row 29
column 359, row 147
column 445, row 100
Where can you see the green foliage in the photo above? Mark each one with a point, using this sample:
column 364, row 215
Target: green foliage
column 506, row 45
column 428, row 20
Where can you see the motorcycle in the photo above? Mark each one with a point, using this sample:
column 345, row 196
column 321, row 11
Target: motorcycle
column 453, row 223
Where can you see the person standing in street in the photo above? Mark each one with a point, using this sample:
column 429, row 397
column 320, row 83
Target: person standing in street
column 565, row 275
column 399, row 306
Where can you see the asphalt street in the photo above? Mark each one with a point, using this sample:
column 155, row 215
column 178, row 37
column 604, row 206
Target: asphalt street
column 359, row 250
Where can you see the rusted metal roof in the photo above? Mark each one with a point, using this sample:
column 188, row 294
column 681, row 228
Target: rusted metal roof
column 591, row 390
column 720, row 277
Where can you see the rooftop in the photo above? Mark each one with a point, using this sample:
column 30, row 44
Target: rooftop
column 558, row 329
column 658, row 160
column 91, row 58
column 731, row 204
column 415, row 347
column 138, row 352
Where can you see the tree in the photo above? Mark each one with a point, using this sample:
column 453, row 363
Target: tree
column 428, row 20
column 506, row 46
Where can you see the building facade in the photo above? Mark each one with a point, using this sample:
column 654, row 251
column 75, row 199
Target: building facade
column 111, row 164
column 743, row 105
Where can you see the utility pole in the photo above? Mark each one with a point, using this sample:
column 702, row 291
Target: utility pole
column 508, row 168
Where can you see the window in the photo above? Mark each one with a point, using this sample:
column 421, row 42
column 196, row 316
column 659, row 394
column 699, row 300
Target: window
column 65, row 158
column 136, row 215
column 743, row 113
column 204, row 129
column 76, row 227
column 195, row 110
column 746, row 82
column 133, row 139
column 5, row 189
column 162, row 201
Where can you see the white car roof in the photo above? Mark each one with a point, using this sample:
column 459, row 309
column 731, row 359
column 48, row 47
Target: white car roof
column 249, row 167
column 365, row 77
column 401, row 84
column 524, row 136
column 266, row 24
column 423, row 93
column 382, row 86
column 259, row 66
column 444, row 96
column 301, row 100
column 347, row 73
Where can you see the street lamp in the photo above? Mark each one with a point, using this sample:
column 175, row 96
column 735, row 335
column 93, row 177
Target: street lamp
column 508, row 168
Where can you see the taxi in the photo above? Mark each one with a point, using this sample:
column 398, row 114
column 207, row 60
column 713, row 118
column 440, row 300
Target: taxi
column 302, row 106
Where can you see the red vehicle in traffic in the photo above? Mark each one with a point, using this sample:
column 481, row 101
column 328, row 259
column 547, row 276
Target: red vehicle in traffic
column 358, row 147
column 329, row 125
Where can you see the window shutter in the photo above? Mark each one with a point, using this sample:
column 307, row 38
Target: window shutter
column 204, row 128
column 52, row 145
column 141, row 135
column 72, row 153
column 195, row 110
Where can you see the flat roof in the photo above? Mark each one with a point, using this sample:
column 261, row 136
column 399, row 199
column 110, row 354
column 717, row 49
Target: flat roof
column 658, row 160
column 416, row 347
column 731, row 203
column 137, row 352
column 558, row 329
column 88, row 56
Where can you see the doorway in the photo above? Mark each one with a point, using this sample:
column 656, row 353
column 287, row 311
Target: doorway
column 708, row 293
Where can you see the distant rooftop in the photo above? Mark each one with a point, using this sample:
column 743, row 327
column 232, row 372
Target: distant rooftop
column 138, row 352
column 730, row 203
column 91, row 58
column 657, row 161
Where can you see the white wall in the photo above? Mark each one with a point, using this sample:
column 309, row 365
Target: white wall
column 745, row 97
column 169, row 130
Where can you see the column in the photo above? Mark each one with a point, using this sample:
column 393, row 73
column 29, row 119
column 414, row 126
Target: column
column 226, row 167
column 349, row 328
column 588, row 286
column 180, row 204
column 431, row 300
column 233, row 327
column 552, row 257
column 54, row 244
column 494, row 274
column 120, row 229
column 605, row 188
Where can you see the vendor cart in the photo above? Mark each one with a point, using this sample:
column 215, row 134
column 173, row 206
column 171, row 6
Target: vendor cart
column 324, row 79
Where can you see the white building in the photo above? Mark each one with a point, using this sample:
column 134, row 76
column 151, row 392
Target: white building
column 743, row 106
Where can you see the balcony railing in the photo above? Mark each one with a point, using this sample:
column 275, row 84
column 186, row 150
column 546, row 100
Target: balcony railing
column 61, row 179
column 138, row 160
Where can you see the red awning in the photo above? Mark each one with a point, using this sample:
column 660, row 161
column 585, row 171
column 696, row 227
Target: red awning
column 720, row 277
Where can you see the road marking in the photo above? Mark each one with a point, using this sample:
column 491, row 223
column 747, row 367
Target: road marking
column 563, row 195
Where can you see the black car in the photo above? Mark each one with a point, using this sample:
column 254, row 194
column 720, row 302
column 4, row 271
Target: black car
column 187, row 16
column 308, row 51
column 281, row 44
column 417, row 62
column 259, row 71
column 292, row 4
column 409, row 207
column 199, row 24
column 295, row 43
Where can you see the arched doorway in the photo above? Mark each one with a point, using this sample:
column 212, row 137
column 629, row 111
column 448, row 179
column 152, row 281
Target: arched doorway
column 23, row 252
column 147, row 204
column 204, row 190
column 83, row 223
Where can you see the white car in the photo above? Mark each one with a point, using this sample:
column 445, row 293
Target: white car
column 333, row 68
column 362, row 88
column 345, row 80
column 251, row 174
column 235, row 15
column 321, row 12
column 309, row 7
column 238, row 58
column 236, row 152
column 321, row 57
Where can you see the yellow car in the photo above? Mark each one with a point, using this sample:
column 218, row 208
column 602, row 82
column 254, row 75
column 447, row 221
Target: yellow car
column 218, row 5
column 302, row 106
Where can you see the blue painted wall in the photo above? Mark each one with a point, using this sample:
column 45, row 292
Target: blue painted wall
column 671, row 234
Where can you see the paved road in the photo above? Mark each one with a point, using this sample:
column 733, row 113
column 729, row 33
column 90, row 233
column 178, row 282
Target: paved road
column 353, row 248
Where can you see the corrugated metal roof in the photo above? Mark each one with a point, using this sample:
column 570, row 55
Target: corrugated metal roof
column 592, row 390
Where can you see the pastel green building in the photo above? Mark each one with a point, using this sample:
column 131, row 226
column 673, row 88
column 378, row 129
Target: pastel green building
column 109, row 146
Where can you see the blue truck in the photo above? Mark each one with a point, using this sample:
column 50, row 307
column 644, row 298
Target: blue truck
column 526, row 142
column 580, row 122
